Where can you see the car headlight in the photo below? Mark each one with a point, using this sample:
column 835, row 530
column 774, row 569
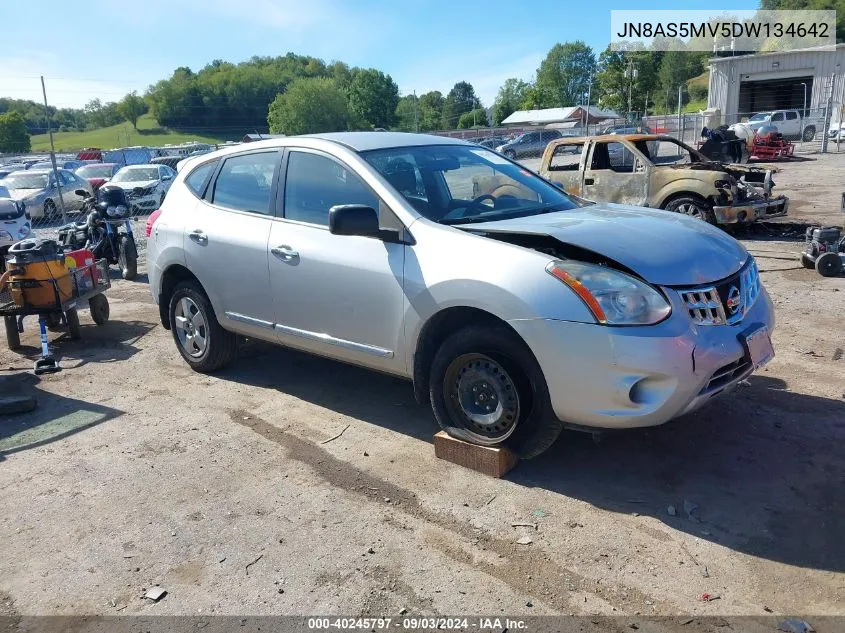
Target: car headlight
column 613, row 297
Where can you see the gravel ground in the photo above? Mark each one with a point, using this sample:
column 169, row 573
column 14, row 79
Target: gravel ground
column 135, row 471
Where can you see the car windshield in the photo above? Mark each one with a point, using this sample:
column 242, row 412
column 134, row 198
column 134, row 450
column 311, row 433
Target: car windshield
column 26, row 181
column 136, row 174
column 456, row 184
column 95, row 171
column 760, row 116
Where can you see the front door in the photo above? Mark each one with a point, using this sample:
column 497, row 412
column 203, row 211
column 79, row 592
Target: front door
column 226, row 241
column 617, row 173
column 335, row 295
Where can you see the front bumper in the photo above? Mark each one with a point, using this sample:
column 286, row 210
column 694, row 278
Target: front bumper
column 748, row 213
column 605, row 377
column 147, row 203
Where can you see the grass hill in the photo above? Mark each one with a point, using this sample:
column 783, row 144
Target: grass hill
column 122, row 135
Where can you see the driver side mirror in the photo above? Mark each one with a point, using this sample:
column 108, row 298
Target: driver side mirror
column 638, row 167
column 353, row 219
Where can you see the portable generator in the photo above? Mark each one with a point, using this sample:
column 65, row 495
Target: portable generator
column 824, row 248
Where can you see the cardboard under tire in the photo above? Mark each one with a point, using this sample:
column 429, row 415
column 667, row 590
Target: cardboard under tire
column 494, row 461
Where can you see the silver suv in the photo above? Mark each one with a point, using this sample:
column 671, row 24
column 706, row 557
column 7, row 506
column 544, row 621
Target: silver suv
column 513, row 307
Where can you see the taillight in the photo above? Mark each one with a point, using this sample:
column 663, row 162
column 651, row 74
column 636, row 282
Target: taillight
column 152, row 220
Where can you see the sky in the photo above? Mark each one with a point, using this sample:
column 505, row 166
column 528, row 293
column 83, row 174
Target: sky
column 103, row 49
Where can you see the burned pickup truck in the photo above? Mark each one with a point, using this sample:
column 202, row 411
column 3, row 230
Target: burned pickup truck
column 659, row 171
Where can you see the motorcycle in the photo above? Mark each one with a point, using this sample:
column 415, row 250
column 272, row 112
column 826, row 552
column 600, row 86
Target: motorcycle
column 106, row 230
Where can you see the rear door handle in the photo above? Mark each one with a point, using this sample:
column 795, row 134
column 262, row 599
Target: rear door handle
column 285, row 253
column 589, row 181
column 198, row 236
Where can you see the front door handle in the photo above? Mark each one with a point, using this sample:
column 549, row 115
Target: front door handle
column 285, row 253
column 589, row 181
column 198, row 236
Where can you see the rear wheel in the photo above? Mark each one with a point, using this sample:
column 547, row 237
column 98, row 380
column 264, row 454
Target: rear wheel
column 487, row 388
column 806, row 262
column 692, row 206
column 809, row 133
column 203, row 343
column 99, row 306
column 53, row 320
column 829, row 264
column 127, row 258
column 13, row 337
column 73, row 329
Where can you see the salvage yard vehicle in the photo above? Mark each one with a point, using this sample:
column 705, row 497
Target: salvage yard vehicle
column 38, row 190
column 661, row 172
column 790, row 123
column 145, row 185
column 514, row 312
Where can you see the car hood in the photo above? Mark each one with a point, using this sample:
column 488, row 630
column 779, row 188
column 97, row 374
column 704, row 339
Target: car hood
column 130, row 185
column 663, row 247
column 25, row 194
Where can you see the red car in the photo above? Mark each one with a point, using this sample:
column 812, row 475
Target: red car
column 97, row 174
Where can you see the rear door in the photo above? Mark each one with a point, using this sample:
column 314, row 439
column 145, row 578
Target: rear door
column 226, row 240
column 616, row 172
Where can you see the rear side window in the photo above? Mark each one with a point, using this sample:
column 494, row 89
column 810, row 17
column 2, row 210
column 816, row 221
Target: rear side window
column 791, row 116
column 314, row 184
column 196, row 179
column 244, row 182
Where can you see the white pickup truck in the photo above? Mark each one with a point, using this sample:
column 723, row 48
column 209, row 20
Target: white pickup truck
column 790, row 123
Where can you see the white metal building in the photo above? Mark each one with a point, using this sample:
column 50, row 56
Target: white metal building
column 551, row 116
column 777, row 81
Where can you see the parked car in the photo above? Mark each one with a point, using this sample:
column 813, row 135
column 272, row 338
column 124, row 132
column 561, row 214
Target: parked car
column 529, row 144
column 97, row 174
column 71, row 165
column 658, row 171
column 145, row 185
column 514, row 312
column 170, row 161
column 15, row 224
column 492, row 142
column 5, row 170
column 789, row 123
column 38, row 190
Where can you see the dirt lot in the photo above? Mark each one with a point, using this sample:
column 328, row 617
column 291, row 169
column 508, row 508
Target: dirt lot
column 134, row 471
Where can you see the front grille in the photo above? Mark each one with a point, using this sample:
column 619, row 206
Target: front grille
column 140, row 193
column 725, row 302
column 726, row 375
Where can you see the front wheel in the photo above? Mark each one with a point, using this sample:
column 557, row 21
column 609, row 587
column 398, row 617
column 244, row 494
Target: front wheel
column 829, row 264
column 807, row 262
column 74, row 331
column 204, row 345
column 487, row 388
column 13, row 336
column 99, row 307
column 127, row 258
column 692, row 206
column 509, row 153
column 50, row 212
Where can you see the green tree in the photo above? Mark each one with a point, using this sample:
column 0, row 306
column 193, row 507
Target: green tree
column 373, row 96
column 797, row 5
column 13, row 134
column 564, row 75
column 461, row 99
column 309, row 105
column 131, row 107
column 676, row 68
column 407, row 114
column 510, row 98
column 612, row 83
column 431, row 111
column 474, row 118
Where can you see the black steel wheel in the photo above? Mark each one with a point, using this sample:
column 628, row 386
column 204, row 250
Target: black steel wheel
column 829, row 264
column 73, row 329
column 807, row 262
column 99, row 306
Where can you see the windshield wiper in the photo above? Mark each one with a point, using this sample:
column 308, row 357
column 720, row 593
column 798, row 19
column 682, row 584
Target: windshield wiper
column 515, row 213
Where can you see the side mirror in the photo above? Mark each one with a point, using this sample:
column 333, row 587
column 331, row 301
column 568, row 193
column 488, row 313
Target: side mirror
column 167, row 177
column 81, row 193
column 353, row 219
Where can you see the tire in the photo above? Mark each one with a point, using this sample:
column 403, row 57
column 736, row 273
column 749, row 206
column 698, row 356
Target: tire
column 53, row 321
column 215, row 347
column 509, row 153
column 50, row 211
column 497, row 365
column 99, row 306
column 829, row 264
column 692, row 206
column 806, row 262
column 73, row 329
column 809, row 133
column 127, row 258
column 13, row 337
column 161, row 201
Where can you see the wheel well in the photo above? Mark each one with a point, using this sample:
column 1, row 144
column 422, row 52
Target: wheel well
column 435, row 331
column 169, row 280
column 684, row 194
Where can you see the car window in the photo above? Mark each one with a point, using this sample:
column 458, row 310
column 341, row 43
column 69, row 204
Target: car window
column 566, row 157
column 777, row 116
column 315, row 183
column 791, row 116
column 613, row 156
column 244, row 182
column 196, row 180
column 65, row 178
